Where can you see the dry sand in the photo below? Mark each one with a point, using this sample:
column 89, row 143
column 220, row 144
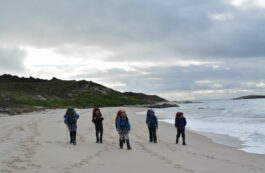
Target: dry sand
column 37, row 142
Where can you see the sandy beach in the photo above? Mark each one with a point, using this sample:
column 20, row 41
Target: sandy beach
column 38, row 143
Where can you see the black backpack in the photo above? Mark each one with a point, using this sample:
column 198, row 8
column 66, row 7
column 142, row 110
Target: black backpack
column 71, row 115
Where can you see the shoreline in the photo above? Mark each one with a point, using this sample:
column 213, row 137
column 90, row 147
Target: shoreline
column 222, row 139
column 241, row 127
column 232, row 142
column 37, row 142
column 225, row 140
column 215, row 138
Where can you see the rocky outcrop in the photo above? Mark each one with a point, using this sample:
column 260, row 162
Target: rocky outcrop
column 251, row 97
column 160, row 105
column 40, row 97
column 186, row 102
column 166, row 104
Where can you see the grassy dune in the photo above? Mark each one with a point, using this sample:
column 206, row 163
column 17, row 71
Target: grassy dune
column 27, row 94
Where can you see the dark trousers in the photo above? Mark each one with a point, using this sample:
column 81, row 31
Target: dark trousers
column 152, row 134
column 181, row 131
column 99, row 134
column 124, row 137
column 73, row 137
column 127, row 142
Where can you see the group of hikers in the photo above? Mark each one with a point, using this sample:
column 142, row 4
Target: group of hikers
column 123, row 126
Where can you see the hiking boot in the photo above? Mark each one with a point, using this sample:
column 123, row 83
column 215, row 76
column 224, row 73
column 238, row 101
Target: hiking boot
column 183, row 139
column 74, row 138
column 177, row 140
column 121, row 144
column 71, row 137
column 128, row 144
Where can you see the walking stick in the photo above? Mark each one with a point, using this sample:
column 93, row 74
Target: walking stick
column 67, row 133
column 157, row 134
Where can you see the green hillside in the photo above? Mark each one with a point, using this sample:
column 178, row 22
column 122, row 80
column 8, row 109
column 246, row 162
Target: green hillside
column 28, row 94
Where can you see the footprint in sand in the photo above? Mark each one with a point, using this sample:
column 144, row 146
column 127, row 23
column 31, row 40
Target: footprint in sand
column 210, row 157
column 162, row 158
column 81, row 138
column 6, row 171
column 85, row 161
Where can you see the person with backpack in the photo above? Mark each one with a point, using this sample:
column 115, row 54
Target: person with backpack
column 70, row 119
column 97, row 119
column 123, row 127
column 152, row 123
column 180, row 123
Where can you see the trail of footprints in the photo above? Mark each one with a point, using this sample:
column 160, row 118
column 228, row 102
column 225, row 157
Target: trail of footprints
column 164, row 159
column 27, row 147
column 173, row 149
column 86, row 160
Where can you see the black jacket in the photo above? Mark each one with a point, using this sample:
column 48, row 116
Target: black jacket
column 98, row 122
column 180, row 122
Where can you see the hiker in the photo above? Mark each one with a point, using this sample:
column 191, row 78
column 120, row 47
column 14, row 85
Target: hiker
column 70, row 119
column 123, row 127
column 152, row 123
column 180, row 123
column 97, row 119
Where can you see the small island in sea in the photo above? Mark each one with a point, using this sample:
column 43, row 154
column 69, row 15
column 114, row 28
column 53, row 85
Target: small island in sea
column 250, row 97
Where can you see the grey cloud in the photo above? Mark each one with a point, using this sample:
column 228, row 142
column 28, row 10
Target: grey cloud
column 11, row 60
column 230, row 75
column 135, row 28
column 143, row 30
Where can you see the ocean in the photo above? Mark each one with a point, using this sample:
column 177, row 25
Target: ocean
column 240, row 119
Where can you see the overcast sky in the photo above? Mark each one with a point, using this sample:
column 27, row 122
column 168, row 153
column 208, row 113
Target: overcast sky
column 178, row 49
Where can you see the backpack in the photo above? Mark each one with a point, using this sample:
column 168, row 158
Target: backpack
column 116, row 120
column 152, row 121
column 71, row 115
column 123, row 125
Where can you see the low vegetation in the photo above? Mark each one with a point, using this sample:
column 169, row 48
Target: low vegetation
column 28, row 94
